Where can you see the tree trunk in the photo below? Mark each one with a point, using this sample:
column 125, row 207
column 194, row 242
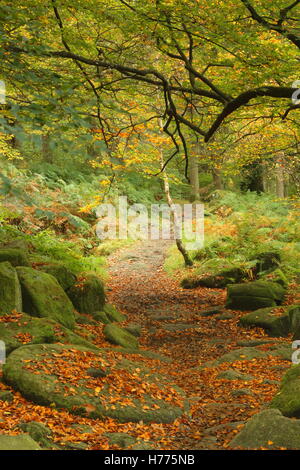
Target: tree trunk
column 46, row 151
column 280, row 192
column 194, row 175
column 217, row 178
column 187, row 260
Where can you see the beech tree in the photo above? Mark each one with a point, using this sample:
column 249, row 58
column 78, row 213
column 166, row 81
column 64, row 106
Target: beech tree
column 90, row 59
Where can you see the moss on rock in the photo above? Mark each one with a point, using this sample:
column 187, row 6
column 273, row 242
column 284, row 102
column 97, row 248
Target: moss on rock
column 19, row 442
column 254, row 295
column 10, row 289
column 32, row 330
column 113, row 314
column 231, row 374
column 117, row 335
column 87, row 294
column 217, row 281
column 275, row 325
column 44, row 387
column 287, row 400
column 63, row 275
column 15, row 256
column 267, row 261
column 44, row 297
column 268, row 426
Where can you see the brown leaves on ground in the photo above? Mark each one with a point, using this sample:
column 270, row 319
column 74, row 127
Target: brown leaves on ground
column 145, row 294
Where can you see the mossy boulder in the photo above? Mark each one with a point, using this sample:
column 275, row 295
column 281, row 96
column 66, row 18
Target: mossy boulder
column 6, row 395
column 117, row 335
column 101, row 317
column 277, row 276
column 217, row 281
column 254, row 295
column 113, row 314
column 125, row 440
column 109, row 314
column 19, row 442
column 294, row 315
column 275, row 325
column 232, row 374
column 32, row 370
column 267, row 261
column 39, row 433
column 87, row 294
column 63, row 275
column 44, row 297
column 287, row 400
column 10, row 289
column 134, row 328
column 241, row 354
column 15, row 256
column 120, row 439
column 18, row 243
column 268, row 429
column 24, row 329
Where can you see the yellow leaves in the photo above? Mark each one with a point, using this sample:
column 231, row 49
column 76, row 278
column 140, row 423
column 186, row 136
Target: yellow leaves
column 97, row 391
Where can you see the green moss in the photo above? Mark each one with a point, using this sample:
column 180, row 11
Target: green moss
column 274, row 325
column 117, row 335
column 63, row 275
column 217, row 281
column 39, row 433
column 113, row 314
column 10, row 290
column 254, row 295
column 268, row 426
column 15, row 256
column 231, row 374
column 19, row 442
column 88, row 295
column 287, row 400
column 101, row 317
column 38, row 330
column 46, row 389
column 44, row 297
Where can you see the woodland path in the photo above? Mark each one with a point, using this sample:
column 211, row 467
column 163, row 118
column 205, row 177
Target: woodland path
column 174, row 323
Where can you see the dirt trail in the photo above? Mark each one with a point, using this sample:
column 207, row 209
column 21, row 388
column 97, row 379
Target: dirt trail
column 175, row 324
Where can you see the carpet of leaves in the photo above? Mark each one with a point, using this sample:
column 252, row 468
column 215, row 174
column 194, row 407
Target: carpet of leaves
column 141, row 289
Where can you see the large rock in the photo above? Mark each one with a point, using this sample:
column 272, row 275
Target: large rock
column 275, row 325
column 267, row 261
column 254, row 295
column 241, row 354
column 217, row 281
column 232, row 374
column 10, row 290
column 109, row 314
column 19, row 442
column 287, row 400
column 276, row 276
column 39, row 433
column 294, row 315
column 63, row 275
column 15, row 256
column 44, row 297
column 129, row 393
column 268, row 429
column 22, row 329
column 88, row 294
column 117, row 335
